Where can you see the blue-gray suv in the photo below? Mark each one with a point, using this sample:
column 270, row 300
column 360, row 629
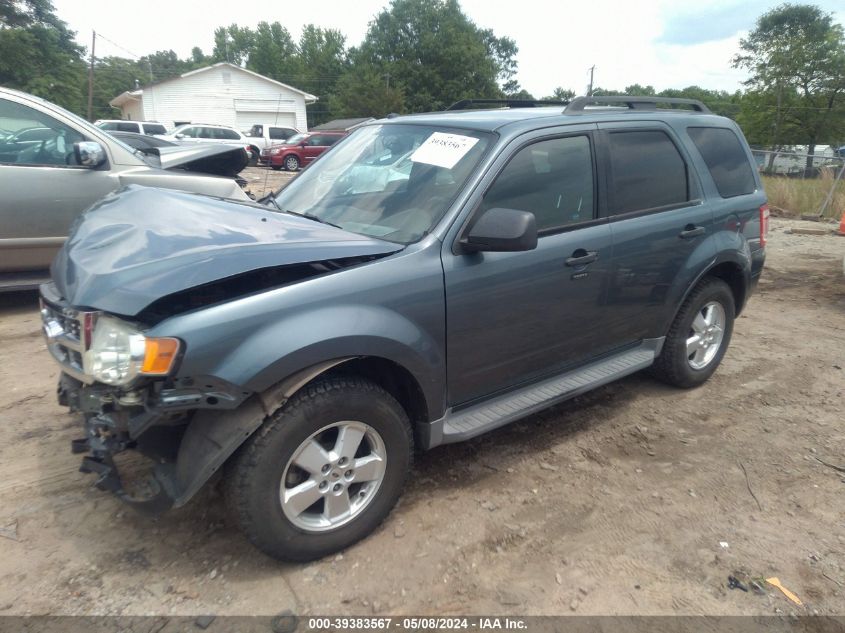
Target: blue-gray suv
column 431, row 278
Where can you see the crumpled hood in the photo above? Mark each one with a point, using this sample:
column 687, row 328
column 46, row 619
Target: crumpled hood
column 142, row 243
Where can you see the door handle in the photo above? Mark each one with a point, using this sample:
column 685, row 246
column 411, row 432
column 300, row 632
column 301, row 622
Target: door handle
column 691, row 230
column 581, row 257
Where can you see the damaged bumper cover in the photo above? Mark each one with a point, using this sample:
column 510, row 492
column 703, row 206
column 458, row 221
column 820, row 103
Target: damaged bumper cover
column 186, row 442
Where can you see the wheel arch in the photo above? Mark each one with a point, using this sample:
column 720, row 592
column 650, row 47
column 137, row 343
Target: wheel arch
column 734, row 271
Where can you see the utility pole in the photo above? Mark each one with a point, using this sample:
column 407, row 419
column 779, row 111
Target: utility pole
column 91, row 78
column 387, row 80
column 590, row 89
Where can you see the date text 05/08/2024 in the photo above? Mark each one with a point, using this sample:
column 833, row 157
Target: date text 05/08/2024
column 415, row 623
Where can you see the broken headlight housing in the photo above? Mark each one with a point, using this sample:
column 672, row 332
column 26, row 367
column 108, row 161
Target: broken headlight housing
column 119, row 353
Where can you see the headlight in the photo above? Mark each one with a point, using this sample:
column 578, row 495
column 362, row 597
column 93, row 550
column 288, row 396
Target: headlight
column 119, row 353
column 275, row 151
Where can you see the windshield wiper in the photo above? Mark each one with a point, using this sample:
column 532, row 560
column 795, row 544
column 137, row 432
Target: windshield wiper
column 270, row 197
column 310, row 216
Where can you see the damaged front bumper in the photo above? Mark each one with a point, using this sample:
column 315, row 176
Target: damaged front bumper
column 186, row 426
column 185, row 443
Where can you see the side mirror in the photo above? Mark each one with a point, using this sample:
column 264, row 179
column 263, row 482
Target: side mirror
column 89, row 153
column 502, row 230
column 180, row 136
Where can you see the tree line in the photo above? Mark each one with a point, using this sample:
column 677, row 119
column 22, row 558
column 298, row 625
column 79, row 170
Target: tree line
column 422, row 55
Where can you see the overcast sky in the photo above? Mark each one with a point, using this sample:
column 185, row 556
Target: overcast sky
column 665, row 43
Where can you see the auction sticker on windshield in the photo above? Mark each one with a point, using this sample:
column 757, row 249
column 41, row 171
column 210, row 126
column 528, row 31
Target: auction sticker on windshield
column 443, row 150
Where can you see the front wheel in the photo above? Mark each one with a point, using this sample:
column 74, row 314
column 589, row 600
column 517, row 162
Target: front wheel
column 291, row 163
column 322, row 472
column 699, row 336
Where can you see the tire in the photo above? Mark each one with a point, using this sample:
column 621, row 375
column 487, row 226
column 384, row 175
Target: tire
column 291, row 163
column 254, row 155
column 684, row 362
column 266, row 467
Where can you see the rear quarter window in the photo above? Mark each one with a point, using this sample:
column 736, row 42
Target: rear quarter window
column 726, row 159
column 646, row 171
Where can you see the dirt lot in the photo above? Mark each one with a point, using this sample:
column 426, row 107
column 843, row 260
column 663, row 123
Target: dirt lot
column 633, row 499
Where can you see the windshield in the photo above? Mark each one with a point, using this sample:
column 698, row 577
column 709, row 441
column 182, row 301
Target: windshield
column 295, row 139
column 393, row 182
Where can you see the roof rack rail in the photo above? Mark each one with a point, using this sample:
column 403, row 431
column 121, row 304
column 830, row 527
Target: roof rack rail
column 579, row 104
column 465, row 104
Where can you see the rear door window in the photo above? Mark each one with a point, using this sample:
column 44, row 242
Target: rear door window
column 281, row 133
column 154, row 128
column 223, row 134
column 646, row 171
column 726, row 159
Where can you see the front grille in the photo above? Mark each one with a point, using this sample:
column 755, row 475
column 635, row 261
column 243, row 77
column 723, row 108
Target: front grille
column 64, row 330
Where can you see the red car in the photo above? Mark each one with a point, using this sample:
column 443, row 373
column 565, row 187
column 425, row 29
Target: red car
column 299, row 150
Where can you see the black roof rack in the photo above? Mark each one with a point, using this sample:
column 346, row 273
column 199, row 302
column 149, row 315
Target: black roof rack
column 579, row 104
column 465, row 104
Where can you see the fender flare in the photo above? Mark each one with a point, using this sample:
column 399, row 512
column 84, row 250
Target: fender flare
column 213, row 436
column 727, row 258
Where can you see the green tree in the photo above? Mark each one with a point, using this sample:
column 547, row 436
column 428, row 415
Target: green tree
column 364, row 92
column 435, row 53
column 273, row 52
column 162, row 65
column 522, row 95
column 719, row 101
column 38, row 53
column 232, row 44
column 797, row 50
column 560, row 94
column 323, row 60
column 112, row 76
column 637, row 89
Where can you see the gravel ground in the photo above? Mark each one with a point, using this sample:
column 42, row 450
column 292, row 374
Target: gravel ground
column 633, row 499
column 263, row 180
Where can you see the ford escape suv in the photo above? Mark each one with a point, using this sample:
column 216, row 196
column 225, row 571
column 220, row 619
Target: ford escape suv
column 303, row 348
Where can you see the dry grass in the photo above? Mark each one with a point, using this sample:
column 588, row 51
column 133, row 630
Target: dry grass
column 795, row 196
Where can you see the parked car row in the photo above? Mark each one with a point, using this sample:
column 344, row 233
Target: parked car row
column 278, row 147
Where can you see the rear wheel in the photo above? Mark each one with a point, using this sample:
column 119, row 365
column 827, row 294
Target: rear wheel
column 291, row 163
column 699, row 336
column 323, row 471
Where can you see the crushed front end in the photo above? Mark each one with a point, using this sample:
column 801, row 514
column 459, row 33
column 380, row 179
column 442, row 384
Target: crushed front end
column 122, row 383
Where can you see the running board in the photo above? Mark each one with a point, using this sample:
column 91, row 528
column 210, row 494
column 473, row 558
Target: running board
column 457, row 426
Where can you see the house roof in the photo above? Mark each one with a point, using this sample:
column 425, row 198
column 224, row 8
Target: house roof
column 136, row 95
column 342, row 124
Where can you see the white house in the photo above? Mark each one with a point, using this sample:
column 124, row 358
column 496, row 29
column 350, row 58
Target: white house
column 224, row 94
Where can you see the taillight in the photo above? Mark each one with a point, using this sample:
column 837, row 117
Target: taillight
column 764, row 224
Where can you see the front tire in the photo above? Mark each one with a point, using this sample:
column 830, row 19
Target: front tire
column 323, row 471
column 699, row 336
column 291, row 163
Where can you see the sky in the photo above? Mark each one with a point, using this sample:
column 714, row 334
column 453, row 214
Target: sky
column 663, row 43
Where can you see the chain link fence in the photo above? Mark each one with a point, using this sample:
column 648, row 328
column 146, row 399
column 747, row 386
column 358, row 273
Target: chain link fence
column 800, row 184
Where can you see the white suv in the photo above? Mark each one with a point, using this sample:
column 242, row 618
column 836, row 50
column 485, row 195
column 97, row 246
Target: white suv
column 139, row 127
column 207, row 133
